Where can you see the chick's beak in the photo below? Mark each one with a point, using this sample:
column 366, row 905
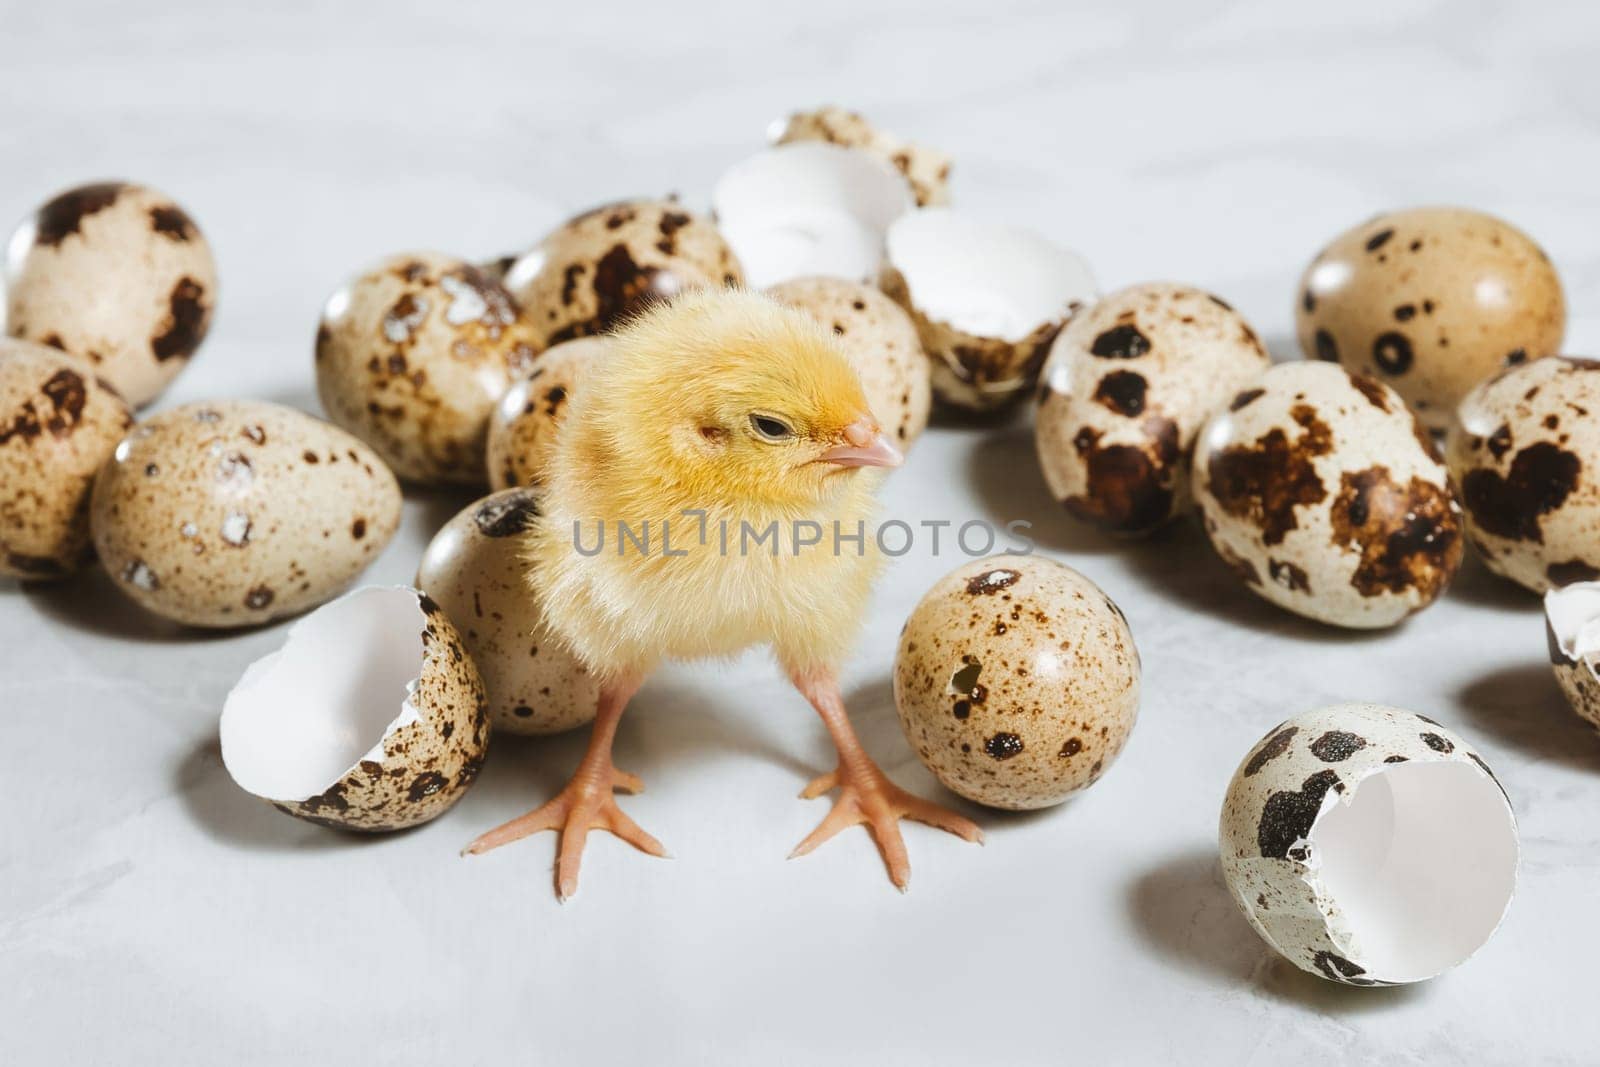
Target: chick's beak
column 865, row 446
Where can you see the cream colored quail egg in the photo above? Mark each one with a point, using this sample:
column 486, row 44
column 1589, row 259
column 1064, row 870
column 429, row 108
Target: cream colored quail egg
column 522, row 427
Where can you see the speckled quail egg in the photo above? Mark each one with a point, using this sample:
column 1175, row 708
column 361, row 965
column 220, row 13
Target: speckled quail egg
column 1017, row 681
column 1127, row 386
column 413, row 355
column 370, row 717
column 881, row 342
column 117, row 274
column 926, row 169
column 237, row 512
column 1369, row 845
column 475, row 568
column 987, row 302
column 1525, row 452
column 1327, row 497
column 1572, row 622
column 522, row 427
column 1431, row 301
column 58, row 424
column 598, row 269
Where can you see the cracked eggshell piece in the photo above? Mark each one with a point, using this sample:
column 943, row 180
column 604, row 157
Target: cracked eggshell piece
column 118, row 275
column 987, row 300
column 1572, row 623
column 600, row 268
column 238, row 512
column 926, row 169
column 1369, row 845
column 370, row 717
column 1128, row 384
column 1017, row 681
column 881, row 343
column 58, row 424
column 1327, row 497
column 476, row 568
column 1525, row 451
column 413, row 355
column 522, row 427
column 809, row 209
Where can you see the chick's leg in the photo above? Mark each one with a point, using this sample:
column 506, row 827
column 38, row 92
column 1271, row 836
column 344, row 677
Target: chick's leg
column 866, row 795
column 586, row 803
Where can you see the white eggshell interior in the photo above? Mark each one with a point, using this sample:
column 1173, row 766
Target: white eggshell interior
column 302, row 717
column 809, row 208
column 1421, row 861
column 1574, row 615
column 985, row 279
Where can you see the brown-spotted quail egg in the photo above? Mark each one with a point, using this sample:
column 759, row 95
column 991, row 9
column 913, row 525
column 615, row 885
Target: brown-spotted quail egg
column 1572, row 622
column 926, row 169
column 1525, row 452
column 1369, row 845
column 475, row 568
column 1326, row 496
column 522, row 427
column 597, row 270
column 1127, row 386
column 881, row 342
column 987, row 302
column 117, row 274
column 413, row 355
column 58, row 424
column 370, row 717
column 236, row 512
column 1431, row 301
column 1017, row 681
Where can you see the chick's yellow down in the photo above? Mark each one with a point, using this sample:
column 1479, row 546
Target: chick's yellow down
column 712, row 489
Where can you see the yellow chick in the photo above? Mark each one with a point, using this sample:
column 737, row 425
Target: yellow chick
column 711, row 490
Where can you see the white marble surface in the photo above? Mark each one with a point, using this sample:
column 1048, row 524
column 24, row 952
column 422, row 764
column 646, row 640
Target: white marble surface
column 149, row 909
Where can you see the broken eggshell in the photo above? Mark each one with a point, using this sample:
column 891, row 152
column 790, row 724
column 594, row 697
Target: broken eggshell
column 1572, row 622
column 476, row 568
column 809, row 209
column 926, row 169
column 987, row 300
column 522, row 427
column 370, row 717
column 1369, row 845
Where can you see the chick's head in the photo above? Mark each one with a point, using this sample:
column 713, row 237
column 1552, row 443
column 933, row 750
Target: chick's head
column 732, row 398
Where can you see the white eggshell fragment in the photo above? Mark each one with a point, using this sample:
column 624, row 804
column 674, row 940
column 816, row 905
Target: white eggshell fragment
column 809, row 208
column 881, row 343
column 987, row 301
column 1017, row 681
column 522, row 427
column 238, row 512
column 118, row 275
column 1369, row 845
column 1572, row 622
column 1325, row 496
column 1127, row 386
column 370, row 717
column 927, row 169
column 476, row 568
column 1525, row 451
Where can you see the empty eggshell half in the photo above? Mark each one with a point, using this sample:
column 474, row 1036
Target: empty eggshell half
column 370, row 717
column 809, row 208
column 927, row 169
column 1369, row 845
column 1572, row 620
column 987, row 300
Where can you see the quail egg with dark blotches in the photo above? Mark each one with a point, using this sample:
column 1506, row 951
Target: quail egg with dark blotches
column 1431, row 301
column 1017, row 681
column 237, row 512
column 476, row 569
column 117, row 274
column 1127, row 386
column 1325, row 496
column 58, row 424
column 1525, row 453
column 522, row 427
column 370, row 716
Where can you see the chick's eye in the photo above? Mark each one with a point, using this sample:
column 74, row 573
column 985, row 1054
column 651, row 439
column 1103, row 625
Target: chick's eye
column 770, row 428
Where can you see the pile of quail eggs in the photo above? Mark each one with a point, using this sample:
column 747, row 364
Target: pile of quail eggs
column 1321, row 484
